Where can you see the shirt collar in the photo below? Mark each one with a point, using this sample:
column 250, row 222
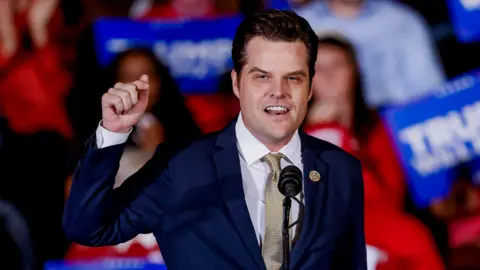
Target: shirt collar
column 253, row 150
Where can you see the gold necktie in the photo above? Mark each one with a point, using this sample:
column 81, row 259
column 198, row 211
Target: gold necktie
column 272, row 239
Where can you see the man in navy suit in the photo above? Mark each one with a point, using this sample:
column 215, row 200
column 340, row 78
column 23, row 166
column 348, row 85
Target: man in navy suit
column 214, row 203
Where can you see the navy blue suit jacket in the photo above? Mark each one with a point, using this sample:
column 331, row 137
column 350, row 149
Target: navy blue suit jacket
column 193, row 202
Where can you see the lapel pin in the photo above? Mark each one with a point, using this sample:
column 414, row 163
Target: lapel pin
column 314, row 176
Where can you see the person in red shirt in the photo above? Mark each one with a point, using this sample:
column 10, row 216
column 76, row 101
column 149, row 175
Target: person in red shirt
column 338, row 98
column 182, row 9
column 337, row 104
column 34, row 81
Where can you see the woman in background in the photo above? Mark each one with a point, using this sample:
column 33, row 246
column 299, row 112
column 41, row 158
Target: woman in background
column 337, row 100
column 166, row 109
column 166, row 118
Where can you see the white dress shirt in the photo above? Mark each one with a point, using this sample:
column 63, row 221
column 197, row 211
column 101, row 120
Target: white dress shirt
column 254, row 172
column 106, row 138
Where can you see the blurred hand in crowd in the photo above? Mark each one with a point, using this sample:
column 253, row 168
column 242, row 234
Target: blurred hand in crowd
column 39, row 13
column 462, row 201
column 8, row 38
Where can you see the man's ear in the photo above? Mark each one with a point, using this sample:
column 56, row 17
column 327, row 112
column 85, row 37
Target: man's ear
column 235, row 83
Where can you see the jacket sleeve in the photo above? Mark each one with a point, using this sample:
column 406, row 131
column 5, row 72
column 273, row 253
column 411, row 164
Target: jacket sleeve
column 96, row 214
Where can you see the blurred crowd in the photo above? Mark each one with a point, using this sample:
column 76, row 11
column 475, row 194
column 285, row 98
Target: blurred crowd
column 372, row 54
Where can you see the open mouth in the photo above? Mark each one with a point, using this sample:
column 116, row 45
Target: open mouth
column 276, row 110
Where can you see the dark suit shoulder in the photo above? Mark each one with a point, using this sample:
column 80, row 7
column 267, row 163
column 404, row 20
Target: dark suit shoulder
column 192, row 163
column 169, row 151
column 198, row 149
column 192, row 173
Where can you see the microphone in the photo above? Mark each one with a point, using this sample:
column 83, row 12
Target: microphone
column 289, row 184
column 290, row 181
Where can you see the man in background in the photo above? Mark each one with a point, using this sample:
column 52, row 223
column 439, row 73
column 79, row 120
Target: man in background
column 396, row 53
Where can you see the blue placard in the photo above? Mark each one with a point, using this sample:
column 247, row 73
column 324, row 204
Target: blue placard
column 465, row 16
column 105, row 264
column 279, row 4
column 197, row 52
column 436, row 135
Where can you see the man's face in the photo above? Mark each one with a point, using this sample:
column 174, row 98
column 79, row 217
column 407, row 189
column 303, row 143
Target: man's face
column 273, row 89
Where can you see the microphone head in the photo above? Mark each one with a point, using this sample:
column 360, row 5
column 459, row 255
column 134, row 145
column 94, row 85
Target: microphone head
column 290, row 181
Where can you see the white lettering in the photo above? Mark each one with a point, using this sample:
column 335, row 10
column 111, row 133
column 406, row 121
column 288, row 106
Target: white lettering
column 116, row 45
column 186, row 58
column 444, row 141
column 455, row 86
column 470, row 4
column 471, row 114
column 196, row 59
column 413, row 136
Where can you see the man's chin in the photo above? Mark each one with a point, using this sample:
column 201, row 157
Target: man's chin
column 283, row 135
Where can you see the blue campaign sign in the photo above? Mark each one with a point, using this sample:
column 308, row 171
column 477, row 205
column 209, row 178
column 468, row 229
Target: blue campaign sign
column 197, row 52
column 436, row 135
column 465, row 15
column 105, row 264
column 279, row 4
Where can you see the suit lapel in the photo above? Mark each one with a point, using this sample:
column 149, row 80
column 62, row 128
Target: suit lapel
column 314, row 196
column 228, row 171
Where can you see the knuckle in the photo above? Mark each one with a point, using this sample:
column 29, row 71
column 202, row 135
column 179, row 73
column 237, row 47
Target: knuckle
column 106, row 98
column 132, row 87
column 124, row 95
column 117, row 99
column 118, row 85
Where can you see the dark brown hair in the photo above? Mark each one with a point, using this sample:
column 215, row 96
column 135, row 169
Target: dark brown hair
column 274, row 25
column 364, row 118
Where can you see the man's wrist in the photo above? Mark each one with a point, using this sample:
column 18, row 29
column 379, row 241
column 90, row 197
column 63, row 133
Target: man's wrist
column 114, row 129
column 106, row 137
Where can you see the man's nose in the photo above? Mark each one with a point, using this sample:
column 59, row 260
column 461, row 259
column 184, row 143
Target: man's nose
column 279, row 89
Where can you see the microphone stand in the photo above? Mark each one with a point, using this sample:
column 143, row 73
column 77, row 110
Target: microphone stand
column 287, row 203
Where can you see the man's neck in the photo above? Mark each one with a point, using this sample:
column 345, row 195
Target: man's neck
column 345, row 8
column 273, row 146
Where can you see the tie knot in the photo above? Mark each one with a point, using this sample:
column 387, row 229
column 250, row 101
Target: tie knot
column 273, row 161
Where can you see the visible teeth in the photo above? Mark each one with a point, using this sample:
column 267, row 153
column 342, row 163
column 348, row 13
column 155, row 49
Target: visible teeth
column 277, row 108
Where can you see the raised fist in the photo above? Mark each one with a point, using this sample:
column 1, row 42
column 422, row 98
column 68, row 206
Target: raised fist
column 124, row 104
